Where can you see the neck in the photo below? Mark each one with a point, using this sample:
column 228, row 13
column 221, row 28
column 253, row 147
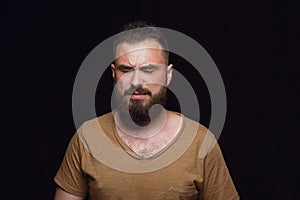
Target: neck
column 151, row 128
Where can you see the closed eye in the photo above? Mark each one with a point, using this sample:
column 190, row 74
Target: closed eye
column 125, row 68
column 148, row 68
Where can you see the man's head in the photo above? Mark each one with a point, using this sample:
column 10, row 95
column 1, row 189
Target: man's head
column 141, row 71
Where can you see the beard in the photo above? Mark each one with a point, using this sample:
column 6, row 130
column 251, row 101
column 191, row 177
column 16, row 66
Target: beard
column 139, row 108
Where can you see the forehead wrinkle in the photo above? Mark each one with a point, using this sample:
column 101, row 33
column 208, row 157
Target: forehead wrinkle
column 140, row 59
column 136, row 60
column 127, row 48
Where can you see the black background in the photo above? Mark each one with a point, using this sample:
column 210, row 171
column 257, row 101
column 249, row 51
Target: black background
column 254, row 44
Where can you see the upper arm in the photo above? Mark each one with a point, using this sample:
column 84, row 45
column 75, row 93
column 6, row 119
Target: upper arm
column 70, row 176
column 60, row 194
column 218, row 183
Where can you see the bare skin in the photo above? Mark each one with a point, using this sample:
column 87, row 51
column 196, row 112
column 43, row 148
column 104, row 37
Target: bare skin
column 149, row 146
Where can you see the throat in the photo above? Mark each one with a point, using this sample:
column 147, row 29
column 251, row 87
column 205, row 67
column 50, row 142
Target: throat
column 144, row 130
column 150, row 140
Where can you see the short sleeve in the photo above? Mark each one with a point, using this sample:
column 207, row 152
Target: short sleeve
column 70, row 176
column 217, row 184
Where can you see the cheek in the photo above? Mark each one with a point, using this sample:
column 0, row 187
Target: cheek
column 122, row 81
column 154, row 88
column 158, row 79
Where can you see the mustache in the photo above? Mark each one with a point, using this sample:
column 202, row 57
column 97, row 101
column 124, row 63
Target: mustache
column 139, row 90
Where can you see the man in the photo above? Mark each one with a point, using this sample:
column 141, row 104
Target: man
column 143, row 136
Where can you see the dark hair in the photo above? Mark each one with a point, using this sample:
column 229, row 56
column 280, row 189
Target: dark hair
column 139, row 31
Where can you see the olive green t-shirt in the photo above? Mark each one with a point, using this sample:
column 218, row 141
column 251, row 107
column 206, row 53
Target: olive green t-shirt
column 98, row 164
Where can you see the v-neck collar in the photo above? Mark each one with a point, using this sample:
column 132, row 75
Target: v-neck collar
column 133, row 154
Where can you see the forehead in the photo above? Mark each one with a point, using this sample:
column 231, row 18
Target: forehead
column 147, row 50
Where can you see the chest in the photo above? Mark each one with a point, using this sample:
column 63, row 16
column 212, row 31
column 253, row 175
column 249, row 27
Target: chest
column 146, row 147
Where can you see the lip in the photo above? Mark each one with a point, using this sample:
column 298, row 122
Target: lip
column 138, row 96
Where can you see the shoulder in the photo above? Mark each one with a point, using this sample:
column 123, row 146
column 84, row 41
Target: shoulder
column 192, row 125
column 96, row 123
column 204, row 139
column 93, row 128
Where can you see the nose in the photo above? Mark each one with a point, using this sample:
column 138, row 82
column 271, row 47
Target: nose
column 137, row 79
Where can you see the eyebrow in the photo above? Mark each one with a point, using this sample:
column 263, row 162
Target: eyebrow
column 124, row 66
column 150, row 66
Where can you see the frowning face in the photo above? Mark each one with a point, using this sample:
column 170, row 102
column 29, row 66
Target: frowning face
column 141, row 76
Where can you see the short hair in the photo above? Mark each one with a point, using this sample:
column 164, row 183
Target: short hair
column 139, row 31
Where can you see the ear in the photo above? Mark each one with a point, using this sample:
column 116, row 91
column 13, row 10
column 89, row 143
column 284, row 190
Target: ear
column 113, row 68
column 169, row 73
